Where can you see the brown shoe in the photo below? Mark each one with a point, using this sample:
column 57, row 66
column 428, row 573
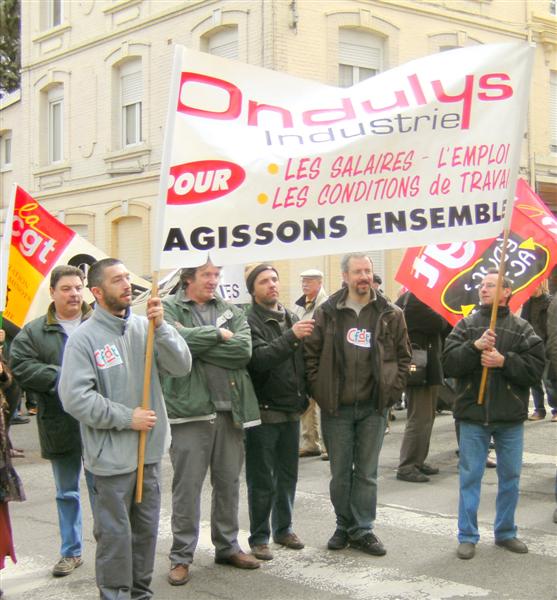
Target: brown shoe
column 262, row 551
column 290, row 540
column 536, row 416
column 178, row 574
column 240, row 560
column 305, row 453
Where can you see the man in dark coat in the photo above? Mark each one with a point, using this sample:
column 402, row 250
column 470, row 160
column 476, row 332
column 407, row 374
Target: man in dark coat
column 277, row 371
column 514, row 357
column 425, row 328
column 535, row 312
column 36, row 356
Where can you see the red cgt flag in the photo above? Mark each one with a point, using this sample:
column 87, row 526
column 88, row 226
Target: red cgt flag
column 447, row 276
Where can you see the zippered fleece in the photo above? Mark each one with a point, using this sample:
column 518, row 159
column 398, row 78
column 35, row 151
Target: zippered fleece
column 101, row 383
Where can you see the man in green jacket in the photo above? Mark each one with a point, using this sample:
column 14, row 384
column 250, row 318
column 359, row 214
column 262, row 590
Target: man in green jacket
column 36, row 356
column 208, row 410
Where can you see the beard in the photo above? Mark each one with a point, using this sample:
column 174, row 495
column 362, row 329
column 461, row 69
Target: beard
column 116, row 304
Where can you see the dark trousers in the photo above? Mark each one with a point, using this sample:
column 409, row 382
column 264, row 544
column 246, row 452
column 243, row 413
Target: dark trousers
column 421, row 402
column 271, row 475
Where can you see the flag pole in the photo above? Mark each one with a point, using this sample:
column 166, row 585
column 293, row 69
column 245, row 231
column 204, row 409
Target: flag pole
column 145, row 402
column 493, row 321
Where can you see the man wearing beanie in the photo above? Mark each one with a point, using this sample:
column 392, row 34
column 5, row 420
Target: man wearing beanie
column 277, row 371
column 313, row 296
column 208, row 410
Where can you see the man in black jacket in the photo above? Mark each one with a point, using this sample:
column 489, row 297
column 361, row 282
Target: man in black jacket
column 425, row 328
column 277, row 372
column 514, row 355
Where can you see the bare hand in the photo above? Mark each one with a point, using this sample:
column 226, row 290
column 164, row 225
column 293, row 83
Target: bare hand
column 2, row 336
column 302, row 329
column 143, row 420
column 155, row 310
column 486, row 341
column 226, row 334
column 492, row 359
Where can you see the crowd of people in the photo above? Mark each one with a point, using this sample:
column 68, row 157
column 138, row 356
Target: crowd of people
column 264, row 386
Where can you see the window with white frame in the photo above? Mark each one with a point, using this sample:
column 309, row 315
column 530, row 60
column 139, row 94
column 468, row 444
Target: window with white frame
column 131, row 95
column 224, row 42
column 6, row 150
column 56, row 124
column 55, row 13
column 360, row 56
column 553, row 112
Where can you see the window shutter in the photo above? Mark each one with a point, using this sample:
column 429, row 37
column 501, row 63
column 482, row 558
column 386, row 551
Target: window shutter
column 132, row 88
column 224, row 43
column 360, row 49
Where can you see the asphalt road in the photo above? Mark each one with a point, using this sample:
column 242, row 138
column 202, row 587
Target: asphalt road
column 416, row 522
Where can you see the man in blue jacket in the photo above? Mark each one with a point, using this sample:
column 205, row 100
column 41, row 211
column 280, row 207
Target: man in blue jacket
column 514, row 355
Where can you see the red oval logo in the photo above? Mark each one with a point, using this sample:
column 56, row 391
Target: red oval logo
column 203, row 180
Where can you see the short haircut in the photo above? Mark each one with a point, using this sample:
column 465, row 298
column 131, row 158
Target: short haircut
column 507, row 283
column 95, row 275
column 346, row 260
column 189, row 273
column 65, row 271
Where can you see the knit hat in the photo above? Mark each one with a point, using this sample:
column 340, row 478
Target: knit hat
column 252, row 275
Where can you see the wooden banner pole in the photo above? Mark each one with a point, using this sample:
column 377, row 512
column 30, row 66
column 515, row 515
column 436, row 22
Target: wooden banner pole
column 493, row 321
column 145, row 402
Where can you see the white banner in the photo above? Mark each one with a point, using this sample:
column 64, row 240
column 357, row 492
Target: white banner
column 259, row 165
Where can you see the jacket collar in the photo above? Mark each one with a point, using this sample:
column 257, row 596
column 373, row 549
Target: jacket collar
column 110, row 321
column 52, row 321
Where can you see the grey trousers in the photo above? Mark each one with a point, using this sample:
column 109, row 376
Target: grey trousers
column 195, row 447
column 421, row 403
column 126, row 534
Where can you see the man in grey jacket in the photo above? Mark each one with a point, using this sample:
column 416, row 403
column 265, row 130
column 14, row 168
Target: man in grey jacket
column 101, row 386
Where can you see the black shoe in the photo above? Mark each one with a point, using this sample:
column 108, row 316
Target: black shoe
column 428, row 469
column 338, row 541
column 412, row 476
column 370, row 544
column 19, row 420
column 513, row 544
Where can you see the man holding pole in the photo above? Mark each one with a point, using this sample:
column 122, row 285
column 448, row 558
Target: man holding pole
column 101, row 386
column 514, row 355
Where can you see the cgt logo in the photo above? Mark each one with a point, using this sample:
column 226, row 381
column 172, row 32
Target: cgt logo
column 203, row 180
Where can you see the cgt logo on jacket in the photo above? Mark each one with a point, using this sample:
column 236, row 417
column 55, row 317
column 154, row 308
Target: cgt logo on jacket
column 359, row 337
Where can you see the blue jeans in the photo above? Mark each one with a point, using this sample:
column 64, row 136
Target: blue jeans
column 353, row 439
column 474, row 446
column 271, row 476
column 67, row 471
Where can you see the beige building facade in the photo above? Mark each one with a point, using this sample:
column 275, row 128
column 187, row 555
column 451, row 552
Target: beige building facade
column 84, row 134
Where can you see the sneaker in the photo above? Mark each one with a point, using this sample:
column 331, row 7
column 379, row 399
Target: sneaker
column 66, row 565
column 466, row 550
column 370, row 544
column 536, row 416
column 412, row 476
column 513, row 544
column 339, row 540
column 262, row 551
column 554, row 418
column 325, row 455
column 178, row 575
column 290, row 540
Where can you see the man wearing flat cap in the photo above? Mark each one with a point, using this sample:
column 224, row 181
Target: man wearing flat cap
column 313, row 296
column 278, row 374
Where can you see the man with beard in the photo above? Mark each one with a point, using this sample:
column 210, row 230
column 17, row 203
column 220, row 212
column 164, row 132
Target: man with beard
column 278, row 375
column 36, row 356
column 101, row 385
column 357, row 361
column 514, row 355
